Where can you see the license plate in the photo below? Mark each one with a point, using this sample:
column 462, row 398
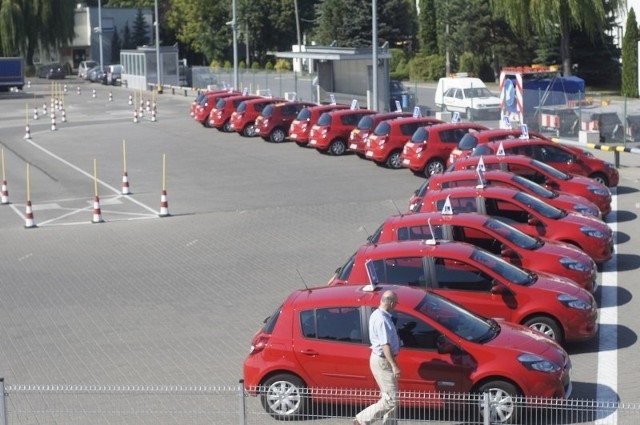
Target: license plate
column 313, row 142
column 353, row 146
column 405, row 162
column 369, row 154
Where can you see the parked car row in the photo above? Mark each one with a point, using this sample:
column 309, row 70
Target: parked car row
column 108, row 75
column 495, row 263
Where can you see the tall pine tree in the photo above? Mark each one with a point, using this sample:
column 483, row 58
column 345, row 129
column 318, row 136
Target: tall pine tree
column 630, row 57
column 140, row 30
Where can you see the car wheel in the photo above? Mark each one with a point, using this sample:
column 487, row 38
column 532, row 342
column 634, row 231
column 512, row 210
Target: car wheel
column 503, row 403
column 337, row 147
column 226, row 127
column 277, row 135
column 547, row 326
column 600, row 178
column 394, row 160
column 302, row 145
column 469, row 113
column 435, row 166
column 249, row 130
column 361, row 155
column 206, row 122
column 284, row 396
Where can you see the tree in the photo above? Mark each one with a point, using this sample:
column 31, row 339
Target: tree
column 140, row 30
column 428, row 31
column 127, row 39
column 630, row 56
column 116, row 46
column 556, row 16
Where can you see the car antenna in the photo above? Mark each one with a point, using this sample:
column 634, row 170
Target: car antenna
column 303, row 281
column 363, row 227
column 398, row 209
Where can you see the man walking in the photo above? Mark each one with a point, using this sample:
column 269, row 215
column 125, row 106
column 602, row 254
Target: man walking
column 385, row 345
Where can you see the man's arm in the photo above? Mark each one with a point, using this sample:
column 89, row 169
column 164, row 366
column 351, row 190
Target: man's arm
column 386, row 349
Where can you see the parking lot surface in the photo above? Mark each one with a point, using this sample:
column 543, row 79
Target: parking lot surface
column 140, row 299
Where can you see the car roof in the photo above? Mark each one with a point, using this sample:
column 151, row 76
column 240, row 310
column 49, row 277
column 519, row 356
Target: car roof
column 381, row 116
column 351, row 111
column 444, row 248
column 502, row 192
column 423, row 218
column 328, row 107
column 412, row 119
column 264, row 100
column 510, row 159
column 472, row 173
column 294, row 102
column 497, row 132
column 450, row 125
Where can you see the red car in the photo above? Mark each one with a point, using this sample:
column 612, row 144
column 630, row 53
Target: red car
column 331, row 132
column 470, row 141
column 315, row 348
column 220, row 115
column 244, row 117
column 385, row 145
column 301, row 126
column 545, row 175
column 366, row 125
column 531, row 215
column 497, row 237
column 274, row 121
column 200, row 99
column 498, row 178
column 429, row 148
column 209, row 101
column 568, row 159
column 481, row 282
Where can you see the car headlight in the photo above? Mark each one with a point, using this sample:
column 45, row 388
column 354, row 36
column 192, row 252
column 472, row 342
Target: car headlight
column 573, row 302
column 537, row 363
column 585, row 210
column 597, row 190
column 593, row 233
column 572, row 264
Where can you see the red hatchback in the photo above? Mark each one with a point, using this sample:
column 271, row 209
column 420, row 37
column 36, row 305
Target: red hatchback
column 429, row 148
column 531, row 215
column 499, row 178
column 274, row 121
column 331, row 132
column 315, row 348
column 220, row 115
column 545, row 175
column 385, row 145
column 481, row 282
column 497, row 237
column 301, row 126
column 568, row 159
column 204, row 108
column 366, row 125
column 470, row 141
column 244, row 117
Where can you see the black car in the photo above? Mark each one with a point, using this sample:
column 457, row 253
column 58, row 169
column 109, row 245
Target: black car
column 52, row 71
column 398, row 91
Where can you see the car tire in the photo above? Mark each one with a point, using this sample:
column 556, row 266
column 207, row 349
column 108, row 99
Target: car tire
column 547, row 326
column 226, row 127
column 337, row 147
column 284, row 397
column 394, row 161
column 277, row 135
column 249, row 130
column 600, row 178
column 435, row 166
column 504, row 406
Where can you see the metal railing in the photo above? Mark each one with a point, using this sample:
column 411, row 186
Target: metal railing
column 157, row 405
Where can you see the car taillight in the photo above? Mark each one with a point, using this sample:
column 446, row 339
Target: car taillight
column 259, row 343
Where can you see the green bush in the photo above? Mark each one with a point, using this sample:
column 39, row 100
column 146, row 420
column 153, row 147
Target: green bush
column 242, row 65
column 467, row 63
column 427, row 68
column 283, row 65
column 268, row 66
column 215, row 65
column 255, row 65
column 397, row 56
column 228, row 64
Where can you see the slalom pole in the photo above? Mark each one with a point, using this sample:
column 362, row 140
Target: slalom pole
column 164, row 204
column 125, row 176
column 97, row 213
column 29, row 222
column 5, row 190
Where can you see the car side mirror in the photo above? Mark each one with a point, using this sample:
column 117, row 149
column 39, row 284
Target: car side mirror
column 508, row 252
column 533, row 221
column 498, row 289
column 445, row 345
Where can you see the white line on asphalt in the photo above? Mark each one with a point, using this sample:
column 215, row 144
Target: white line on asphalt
column 607, row 378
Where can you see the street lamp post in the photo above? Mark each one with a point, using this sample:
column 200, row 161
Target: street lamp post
column 374, row 49
column 157, row 29
column 99, row 30
column 234, row 29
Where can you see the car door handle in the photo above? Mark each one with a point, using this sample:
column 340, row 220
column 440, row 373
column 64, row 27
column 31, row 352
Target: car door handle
column 309, row 352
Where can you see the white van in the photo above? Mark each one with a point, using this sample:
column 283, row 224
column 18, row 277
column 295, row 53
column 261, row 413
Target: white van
column 466, row 95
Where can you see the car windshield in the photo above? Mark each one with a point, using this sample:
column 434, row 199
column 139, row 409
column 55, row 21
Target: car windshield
column 325, row 119
column 541, row 191
column 423, row 188
column 242, row 107
column 382, row 129
column 420, row 135
column 477, row 92
column 507, row 271
column 304, row 114
column 513, row 235
column 457, row 319
column 344, row 271
column 468, row 142
column 221, row 103
column 267, row 111
column 365, row 123
column 375, row 237
column 482, row 150
column 539, row 206
column 552, row 171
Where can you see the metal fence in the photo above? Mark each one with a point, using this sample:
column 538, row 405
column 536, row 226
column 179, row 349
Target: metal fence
column 158, row 405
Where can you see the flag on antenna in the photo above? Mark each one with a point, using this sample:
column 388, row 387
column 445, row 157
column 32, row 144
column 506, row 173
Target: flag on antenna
column 398, row 106
column 417, row 113
column 500, row 150
column 446, row 208
column 455, row 118
column 480, row 165
column 506, row 122
column 332, row 98
column 525, row 131
column 354, row 104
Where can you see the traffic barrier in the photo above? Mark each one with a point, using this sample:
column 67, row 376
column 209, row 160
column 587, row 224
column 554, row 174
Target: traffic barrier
column 29, row 221
column 97, row 212
column 5, row 193
column 164, row 204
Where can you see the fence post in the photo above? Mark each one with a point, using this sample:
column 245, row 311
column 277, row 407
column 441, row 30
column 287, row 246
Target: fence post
column 3, row 407
column 242, row 409
column 486, row 407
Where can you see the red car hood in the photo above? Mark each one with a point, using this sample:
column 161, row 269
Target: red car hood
column 525, row 339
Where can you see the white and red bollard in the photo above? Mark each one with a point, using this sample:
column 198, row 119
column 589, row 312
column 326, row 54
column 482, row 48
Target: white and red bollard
column 29, row 221
column 97, row 212
column 53, row 122
column 125, row 184
column 135, row 116
column 164, row 205
column 27, row 134
column 35, row 112
column 5, row 193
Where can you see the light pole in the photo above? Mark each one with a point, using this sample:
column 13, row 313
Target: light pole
column 374, row 49
column 158, row 68
column 234, row 29
column 99, row 31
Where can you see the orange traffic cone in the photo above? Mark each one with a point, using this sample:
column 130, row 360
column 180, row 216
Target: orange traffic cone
column 29, row 223
column 164, row 205
column 5, row 193
column 125, row 184
column 97, row 214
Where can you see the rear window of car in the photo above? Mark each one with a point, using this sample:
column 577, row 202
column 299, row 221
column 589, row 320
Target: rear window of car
column 382, row 129
column 365, row 123
column 333, row 324
column 304, row 114
column 421, row 135
column 409, row 129
column 221, row 104
column 482, row 150
column 325, row 119
column 350, row 119
column 267, row 111
column 468, row 142
column 270, row 322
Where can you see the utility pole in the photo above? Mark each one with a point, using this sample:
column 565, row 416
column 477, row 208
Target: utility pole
column 158, row 67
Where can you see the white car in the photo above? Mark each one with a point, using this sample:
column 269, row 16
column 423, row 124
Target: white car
column 472, row 101
column 84, row 68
